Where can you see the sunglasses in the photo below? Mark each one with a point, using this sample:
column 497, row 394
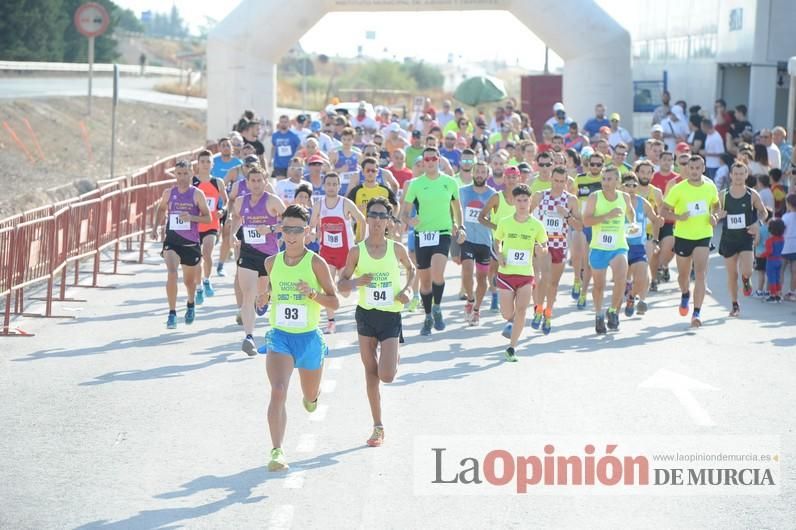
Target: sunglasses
column 371, row 170
column 292, row 229
column 378, row 215
column 549, row 164
column 630, row 184
column 595, row 165
column 430, row 158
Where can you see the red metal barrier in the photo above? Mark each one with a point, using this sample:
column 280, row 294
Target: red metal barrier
column 7, row 258
column 33, row 257
column 11, row 222
column 84, row 219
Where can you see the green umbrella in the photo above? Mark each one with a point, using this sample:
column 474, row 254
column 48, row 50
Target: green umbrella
column 481, row 89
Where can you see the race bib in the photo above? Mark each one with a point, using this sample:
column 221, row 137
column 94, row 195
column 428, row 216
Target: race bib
column 518, row 257
column 379, row 296
column 736, row 221
column 428, row 239
column 633, row 230
column 552, row 223
column 608, row 240
column 291, row 316
column 211, row 203
column 471, row 214
column 252, row 237
column 178, row 225
column 333, row 239
column 697, row 208
column 345, row 178
column 284, row 150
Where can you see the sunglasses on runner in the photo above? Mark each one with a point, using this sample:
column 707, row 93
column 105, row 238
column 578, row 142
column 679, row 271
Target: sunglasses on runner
column 596, row 165
column 370, row 170
column 378, row 215
column 430, row 158
column 549, row 164
column 630, row 184
column 292, row 229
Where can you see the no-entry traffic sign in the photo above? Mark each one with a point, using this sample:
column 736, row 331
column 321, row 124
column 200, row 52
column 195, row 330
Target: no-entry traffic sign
column 92, row 19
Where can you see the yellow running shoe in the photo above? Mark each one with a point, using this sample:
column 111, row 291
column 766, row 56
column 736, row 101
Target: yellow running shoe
column 377, row 438
column 277, row 462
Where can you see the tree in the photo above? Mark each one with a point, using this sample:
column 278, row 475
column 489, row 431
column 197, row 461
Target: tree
column 379, row 75
column 424, row 75
column 33, row 30
column 126, row 19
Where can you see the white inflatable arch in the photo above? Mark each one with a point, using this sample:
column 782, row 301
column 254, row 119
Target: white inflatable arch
column 244, row 49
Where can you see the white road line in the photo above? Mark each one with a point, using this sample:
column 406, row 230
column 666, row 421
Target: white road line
column 320, row 413
column 328, row 386
column 282, row 518
column 681, row 386
column 306, row 443
column 295, row 480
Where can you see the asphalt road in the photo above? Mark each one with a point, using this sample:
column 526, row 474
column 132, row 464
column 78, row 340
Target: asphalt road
column 111, row 421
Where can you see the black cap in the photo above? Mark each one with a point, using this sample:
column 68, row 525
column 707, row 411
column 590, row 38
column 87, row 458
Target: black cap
column 416, row 134
column 251, row 159
column 523, row 166
column 301, row 118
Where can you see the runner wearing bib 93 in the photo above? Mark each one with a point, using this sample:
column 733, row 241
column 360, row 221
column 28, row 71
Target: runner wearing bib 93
column 740, row 207
column 439, row 217
column 692, row 204
column 375, row 261
column 516, row 238
column 607, row 211
column 299, row 284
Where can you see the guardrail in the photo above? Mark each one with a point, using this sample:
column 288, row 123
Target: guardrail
column 39, row 245
column 34, row 66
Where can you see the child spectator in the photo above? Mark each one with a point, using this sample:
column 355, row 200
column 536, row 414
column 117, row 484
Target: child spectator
column 789, row 250
column 773, row 255
column 778, row 190
column 760, row 261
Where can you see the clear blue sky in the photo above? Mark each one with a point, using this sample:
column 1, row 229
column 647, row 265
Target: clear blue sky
column 325, row 37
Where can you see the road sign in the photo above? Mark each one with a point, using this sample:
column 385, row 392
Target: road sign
column 92, row 19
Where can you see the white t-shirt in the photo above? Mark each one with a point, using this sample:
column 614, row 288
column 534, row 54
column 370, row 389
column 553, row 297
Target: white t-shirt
column 774, row 156
column 366, row 123
column 620, row 135
column 790, row 233
column 713, row 144
column 302, row 134
column 286, row 190
column 443, row 118
column 767, row 197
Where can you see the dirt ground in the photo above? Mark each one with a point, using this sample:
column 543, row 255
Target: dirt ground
column 145, row 133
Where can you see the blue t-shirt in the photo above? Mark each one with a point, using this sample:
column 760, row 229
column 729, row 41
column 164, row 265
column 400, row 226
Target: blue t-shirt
column 285, row 146
column 593, row 126
column 472, row 204
column 454, row 156
column 221, row 168
column 761, row 242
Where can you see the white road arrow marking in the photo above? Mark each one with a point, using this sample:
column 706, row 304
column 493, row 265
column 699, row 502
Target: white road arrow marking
column 681, row 386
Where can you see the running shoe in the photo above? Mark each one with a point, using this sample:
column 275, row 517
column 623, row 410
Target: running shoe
column 659, row 275
column 790, row 296
column 684, row 304
column 612, row 317
column 537, row 320
column 428, row 323
column 575, row 292
column 760, row 294
column 468, row 311
column 239, row 319
column 311, row 406
column 190, row 315
column 475, row 319
column 773, row 298
column 547, row 325
column 278, row 462
column 494, row 305
column 507, row 330
column 582, row 300
column 641, row 307
column 747, row 286
column 209, row 291
column 666, row 275
column 260, row 310
column 462, row 295
column 509, row 355
column 736, row 310
column 599, row 325
column 630, row 307
column 171, row 322
column 200, row 296
column 436, row 313
column 330, row 328
column 654, row 286
column 377, row 438
column 220, row 270
column 696, row 320
column 249, row 347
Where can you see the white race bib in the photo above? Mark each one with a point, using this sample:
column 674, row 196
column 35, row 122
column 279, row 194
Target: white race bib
column 736, row 221
column 178, row 225
column 518, row 257
column 552, row 223
column 283, row 150
column 333, row 239
column 252, row 237
column 379, row 296
column 211, row 203
column 697, row 208
column 471, row 214
column 291, row 316
column 428, row 239
column 346, row 177
column 608, row 241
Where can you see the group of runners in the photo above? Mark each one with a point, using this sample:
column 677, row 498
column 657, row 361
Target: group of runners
column 323, row 223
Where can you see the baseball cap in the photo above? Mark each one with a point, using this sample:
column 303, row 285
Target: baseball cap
column 657, row 128
column 315, row 159
column 605, row 129
column 362, row 105
column 450, row 134
column 330, row 110
column 459, row 110
column 524, row 167
column 615, row 116
column 511, row 170
column 251, row 159
column 301, row 118
column 682, row 147
column 558, row 107
column 315, row 126
column 416, row 134
column 393, row 127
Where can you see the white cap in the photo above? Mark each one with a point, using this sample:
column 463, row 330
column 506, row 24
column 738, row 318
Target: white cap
column 330, row 109
column 363, row 105
column 558, row 106
column 393, row 127
column 657, row 128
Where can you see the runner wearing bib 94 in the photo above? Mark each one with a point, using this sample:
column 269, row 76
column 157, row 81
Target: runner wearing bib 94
column 516, row 239
column 381, row 298
column 183, row 207
column 606, row 211
column 299, row 283
column 256, row 215
column 692, row 204
column 740, row 207
column 439, row 217
column 557, row 209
